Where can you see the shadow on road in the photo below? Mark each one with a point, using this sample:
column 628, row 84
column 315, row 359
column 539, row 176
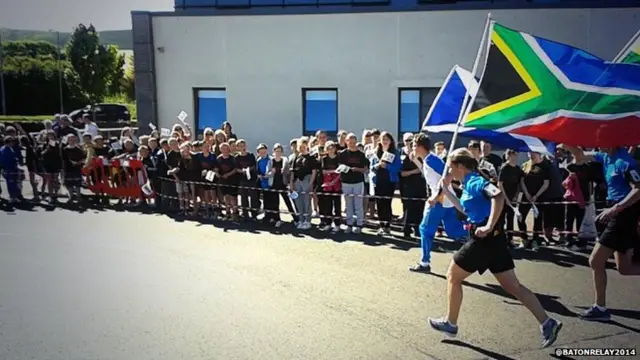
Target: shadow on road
column 488, row 353
column 623, row 313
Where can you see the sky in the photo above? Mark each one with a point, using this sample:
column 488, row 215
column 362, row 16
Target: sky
column 63, row 15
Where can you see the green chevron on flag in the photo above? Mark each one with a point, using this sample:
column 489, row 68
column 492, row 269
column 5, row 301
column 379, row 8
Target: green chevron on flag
column 537, row 87
column 632, row 54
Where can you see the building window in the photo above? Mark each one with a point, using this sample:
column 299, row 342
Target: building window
column 211, row 108
column 319, row 110
column 413, row 106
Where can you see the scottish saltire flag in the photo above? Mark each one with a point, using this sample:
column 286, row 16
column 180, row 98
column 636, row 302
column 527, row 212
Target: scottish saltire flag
column 552, row 91
column 446, row 108
column 631, row 53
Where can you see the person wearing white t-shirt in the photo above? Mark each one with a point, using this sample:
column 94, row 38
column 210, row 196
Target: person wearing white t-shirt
column 90, row 127
column 439, row 209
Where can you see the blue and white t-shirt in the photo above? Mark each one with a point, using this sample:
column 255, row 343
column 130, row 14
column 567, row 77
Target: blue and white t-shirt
column 432, row 169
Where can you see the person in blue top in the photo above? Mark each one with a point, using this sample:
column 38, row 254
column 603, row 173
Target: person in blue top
column 385, row 167
column 487, row 248
column 439, row 209
column 10, row 160
column 621, row 217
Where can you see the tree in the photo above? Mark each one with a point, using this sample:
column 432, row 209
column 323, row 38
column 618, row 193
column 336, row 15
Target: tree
column 129, row 81
column 97, row 69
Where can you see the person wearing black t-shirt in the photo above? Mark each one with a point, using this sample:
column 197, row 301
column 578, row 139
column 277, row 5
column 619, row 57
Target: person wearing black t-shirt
column 303, row 172
column 353, row 182
column 330, row 204
column 534, row 184
column 74, row 158
column 413, row 186
column 187, row 172
column 249, row 198
column 208, row 163
column 509, row 183
column 227, row 172
column 492, row 158
column 279, row 177
column 319, row 152
column 51, row 153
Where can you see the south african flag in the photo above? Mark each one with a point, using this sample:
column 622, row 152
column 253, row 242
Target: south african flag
column 537, row 87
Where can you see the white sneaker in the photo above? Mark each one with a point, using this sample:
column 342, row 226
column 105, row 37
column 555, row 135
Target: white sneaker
column 326, row 228
column 314, row 214
column 335, row 229
column 380, row 232
column 347, row 230
column 356, row 230
column 278, row 224
column 307, row 226
column 300, row 226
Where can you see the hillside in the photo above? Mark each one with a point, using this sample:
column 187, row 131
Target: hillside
column 121, row 38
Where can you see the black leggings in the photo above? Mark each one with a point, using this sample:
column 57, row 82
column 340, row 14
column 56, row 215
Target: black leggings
column 574, row 214
column 507, row 218
column 330, row 208
column 413, row 212
column 385, row 190
column 537, row 222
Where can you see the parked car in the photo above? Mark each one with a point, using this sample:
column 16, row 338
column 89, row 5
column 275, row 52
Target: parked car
column 103, row 113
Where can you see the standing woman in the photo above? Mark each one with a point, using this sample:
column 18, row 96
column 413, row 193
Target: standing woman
column 227, row 171
column 534, row 184
column 486, row 249
column 228, row 130
column 303, row 171
column 330, row 204
column 207, row 163
column 318, row 150
column 279, row 176
column 386, row 167
column 413, row 186
column 509, row 182
column 74, row 158
column 183, row 135
column 51, row 152
column 621, row 219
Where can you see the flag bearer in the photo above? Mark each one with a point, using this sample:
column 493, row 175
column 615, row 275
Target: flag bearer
column 487, row 248
column 438, row 209
column 621, row 218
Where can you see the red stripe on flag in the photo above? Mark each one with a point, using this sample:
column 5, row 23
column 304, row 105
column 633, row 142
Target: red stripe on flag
column 624, row 131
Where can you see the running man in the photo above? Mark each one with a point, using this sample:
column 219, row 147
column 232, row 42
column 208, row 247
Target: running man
column 438, row 210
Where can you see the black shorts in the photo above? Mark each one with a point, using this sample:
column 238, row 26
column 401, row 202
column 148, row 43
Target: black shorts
column 229, row 189
column 489, row 253
column 621, row 232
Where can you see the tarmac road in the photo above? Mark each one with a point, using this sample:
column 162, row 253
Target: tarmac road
column 119, row 285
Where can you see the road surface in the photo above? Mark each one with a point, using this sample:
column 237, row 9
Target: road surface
column 121, row 285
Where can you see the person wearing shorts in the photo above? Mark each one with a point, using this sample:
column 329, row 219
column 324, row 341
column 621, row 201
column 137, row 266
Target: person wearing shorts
column 227, row 169
column 487, row 248
column 621, row 218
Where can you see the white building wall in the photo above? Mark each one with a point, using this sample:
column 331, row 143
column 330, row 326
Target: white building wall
column 265, row 61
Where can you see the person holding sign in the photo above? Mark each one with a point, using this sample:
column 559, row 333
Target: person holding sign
column 385, row 165
column 621, row 218
column 438, row 209
column 486, row 249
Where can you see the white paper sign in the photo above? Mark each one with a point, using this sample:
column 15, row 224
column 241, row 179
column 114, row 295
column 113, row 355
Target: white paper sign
column 116, row 145
column 588, row 228
column 343, row 169
column 105, row 161
column 153, row 127
column 210, row 175
column 125, row 163
column 293, row 195
column 52, row 143
column 247, row 172
column 388, row 157
column 492, row 190
column 146, row 189
column 182, row 116
column 165, row 132
column 536, row 212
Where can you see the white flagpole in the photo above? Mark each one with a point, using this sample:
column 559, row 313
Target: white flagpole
column 625, row 49
column 466, row 104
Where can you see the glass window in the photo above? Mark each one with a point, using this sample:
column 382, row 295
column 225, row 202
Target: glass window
column 211, row 109
column 414, row 105
column 300, row 2
column 198, row 2
column 266, row 2
column 320, row 110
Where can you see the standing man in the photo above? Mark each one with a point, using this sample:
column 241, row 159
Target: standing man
column 439, row 209
column 487, row 155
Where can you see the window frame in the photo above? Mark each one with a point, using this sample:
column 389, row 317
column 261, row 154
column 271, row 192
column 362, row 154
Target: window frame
column 330, row 133
column 196, row 106
column 420, row 106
